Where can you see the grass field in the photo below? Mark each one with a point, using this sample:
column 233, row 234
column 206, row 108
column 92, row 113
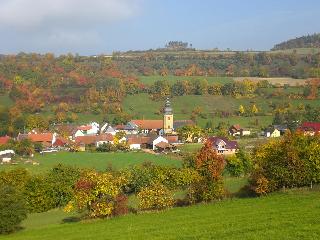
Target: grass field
column 286, row 215
column 142, row 107
column 5, row 101
column 98, row 161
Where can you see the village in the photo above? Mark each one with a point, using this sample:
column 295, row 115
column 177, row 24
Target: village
column 151, row 136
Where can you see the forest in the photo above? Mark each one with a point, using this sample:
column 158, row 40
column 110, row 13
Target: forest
column 309, row 41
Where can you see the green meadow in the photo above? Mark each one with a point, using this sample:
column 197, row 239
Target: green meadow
column 286, row 215
column 98, row 161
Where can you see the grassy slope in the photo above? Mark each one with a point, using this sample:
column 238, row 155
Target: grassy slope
column 141, row 106
column 290, row 215
column 99, row 161
column 5, row 101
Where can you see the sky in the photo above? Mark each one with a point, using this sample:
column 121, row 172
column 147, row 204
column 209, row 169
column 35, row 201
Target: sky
column 90, row 27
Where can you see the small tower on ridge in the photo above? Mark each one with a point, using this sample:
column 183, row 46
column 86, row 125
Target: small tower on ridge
column 167, row 118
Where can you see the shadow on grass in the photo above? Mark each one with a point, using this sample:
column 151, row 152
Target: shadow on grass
column 71, row 219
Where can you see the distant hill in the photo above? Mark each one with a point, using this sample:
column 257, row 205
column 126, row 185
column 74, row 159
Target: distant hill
column 309, row 41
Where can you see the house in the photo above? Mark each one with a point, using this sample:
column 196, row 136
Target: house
column 129, row 128
column 236, row 130
column 66, row 130
column 164, row 147
column 108, row 129
column 146, row 126
column 310, row 128
column 86, row 140
column 223, row 146
column 272, row 132
column 90, row 129
column 46, row 139
column 282, row 128
column 137, row 142
column 104, row 139
column 6, row 156
column 61, row 142
column 149, row 141
column 4, row 140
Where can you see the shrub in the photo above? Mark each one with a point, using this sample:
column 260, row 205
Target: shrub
column 17, row 178
column 205, row 190
column 238, row 164
column 51, row 190
column 292, row 161
column 121, row 205
column 61, row 180
column 13, row 209
column 148, row 174
column 38, row 195
column 209, row 185
column 155, row 197
column 99, row 194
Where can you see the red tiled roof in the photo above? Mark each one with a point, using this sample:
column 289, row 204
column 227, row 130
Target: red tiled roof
column 86, row 139
column 120, row 127
column 139, row 139
column 105, row 137
column 85, row 128
column 4, row 140
column 313, row 126
column 41, row 137
column 149, row 124
column 236, row 126
column 172, row 138
column 60, row 142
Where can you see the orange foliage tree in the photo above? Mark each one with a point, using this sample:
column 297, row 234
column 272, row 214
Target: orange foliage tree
column 210, row 167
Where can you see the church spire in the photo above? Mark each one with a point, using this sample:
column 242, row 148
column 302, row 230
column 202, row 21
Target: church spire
column 167, row 108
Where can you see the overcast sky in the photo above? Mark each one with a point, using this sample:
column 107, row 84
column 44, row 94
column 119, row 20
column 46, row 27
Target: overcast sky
column 92, row 27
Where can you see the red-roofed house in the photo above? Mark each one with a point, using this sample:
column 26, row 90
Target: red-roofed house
column 90, row 129
column 46, row 139
column 103, row 139
column 310, row 128
column 147, row 126
column 237, row 130
column 4, row 140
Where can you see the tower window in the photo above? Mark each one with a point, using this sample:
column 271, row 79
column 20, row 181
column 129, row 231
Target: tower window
column 168, row 118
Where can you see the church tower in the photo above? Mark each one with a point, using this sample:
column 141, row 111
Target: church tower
column 167, row 118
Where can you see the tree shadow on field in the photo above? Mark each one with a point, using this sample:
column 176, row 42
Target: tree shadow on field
column 71, row 219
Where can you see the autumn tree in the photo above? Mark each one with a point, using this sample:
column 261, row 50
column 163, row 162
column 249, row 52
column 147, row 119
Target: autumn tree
column 210, row 167
column 241, row 110
column 291, row 161
column 254, row 109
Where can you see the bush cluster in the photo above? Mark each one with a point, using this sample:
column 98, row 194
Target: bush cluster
column 292, row 161
column 155, row 197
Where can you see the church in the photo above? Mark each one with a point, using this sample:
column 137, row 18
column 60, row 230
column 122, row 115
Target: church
column 166, row 126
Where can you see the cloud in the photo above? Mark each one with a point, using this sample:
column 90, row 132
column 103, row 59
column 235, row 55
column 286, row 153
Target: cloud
column 60, row 25
column 35, row 14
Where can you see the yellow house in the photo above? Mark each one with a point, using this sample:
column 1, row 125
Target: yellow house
column 273, row 133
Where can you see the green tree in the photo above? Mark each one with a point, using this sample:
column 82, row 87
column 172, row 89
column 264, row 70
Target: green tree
column 13, row 209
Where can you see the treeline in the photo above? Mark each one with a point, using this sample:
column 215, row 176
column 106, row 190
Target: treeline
column 309, row 41
column 234, row 64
